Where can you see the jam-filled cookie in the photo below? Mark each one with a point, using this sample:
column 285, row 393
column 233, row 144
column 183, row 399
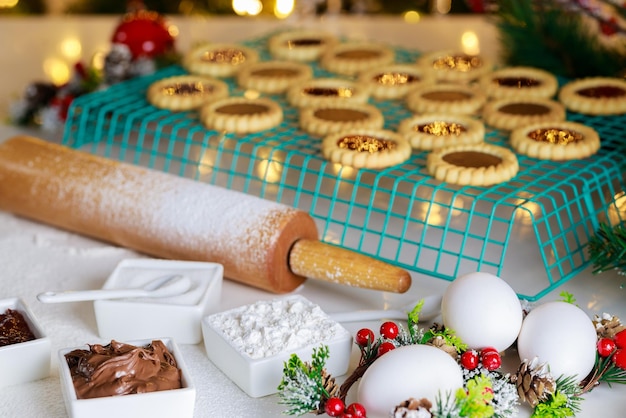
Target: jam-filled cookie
column 556, row 141
column 241, row 115
column 509, row 114
column 517, row 82
column 454, row 66
column 218, row 60
column 445, row 98
column 325, row 91
column 430, row 131
column 595, row 96
column 273, row 77
column 351, row 58
column 366, row 148
column 185, row 92
column 323, row 120
column 394, row 81
column 300, row 45
column 472, row 164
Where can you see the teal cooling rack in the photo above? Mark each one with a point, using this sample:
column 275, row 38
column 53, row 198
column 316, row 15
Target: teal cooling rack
column 545, row 215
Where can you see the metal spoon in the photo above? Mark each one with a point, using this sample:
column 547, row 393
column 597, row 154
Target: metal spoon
column 430, row 309
column 157, row 288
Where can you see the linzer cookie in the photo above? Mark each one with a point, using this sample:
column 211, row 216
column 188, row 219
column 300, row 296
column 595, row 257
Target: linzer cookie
column 556, row 141
column 454, row 66
column 509, row 114
column 393, row 81
column 326, row 91
column 445, row 98
column 366, row 148
column 430, row 131
column 472, row 164
column 595, row 96
column 241, row 115
column 273, row 77
column 218, row 60
column 185, row 92
column 517, row 82
column 300, row 45
column 351, row 58
column 324, row 120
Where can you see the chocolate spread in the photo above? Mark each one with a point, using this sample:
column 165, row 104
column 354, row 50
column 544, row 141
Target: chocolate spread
column 14, row 329
column 122, row 369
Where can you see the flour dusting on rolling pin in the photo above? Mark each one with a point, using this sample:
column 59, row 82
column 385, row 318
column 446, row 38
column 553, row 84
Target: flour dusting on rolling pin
column 260, row 243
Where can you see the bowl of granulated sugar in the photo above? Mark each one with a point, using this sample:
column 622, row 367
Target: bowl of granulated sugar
column 251, row 343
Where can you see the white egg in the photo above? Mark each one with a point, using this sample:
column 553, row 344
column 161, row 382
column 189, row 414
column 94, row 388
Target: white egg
column 411, row 371
column 561, row 335
column 482, row 310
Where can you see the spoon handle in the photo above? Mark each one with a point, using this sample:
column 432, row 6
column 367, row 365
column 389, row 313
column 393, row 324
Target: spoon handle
column 83, row 295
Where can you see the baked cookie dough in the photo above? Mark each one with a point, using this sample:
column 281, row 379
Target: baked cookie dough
column 556, row 141
column 326, row 91
column 517, row 82
column 394, row 81
column 241, row 115
column 454, row 66
column 300, row 45
column 366, row 148
column 509, row 114
column 273, row 77
column 185, row 92
column 323, row 120
column 436, row 130
column 218, row 60
column 472, row 164
column 595, row 96
column 351, row 58
column 445, row 98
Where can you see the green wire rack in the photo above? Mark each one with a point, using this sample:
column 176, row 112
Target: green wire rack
column 546, row 214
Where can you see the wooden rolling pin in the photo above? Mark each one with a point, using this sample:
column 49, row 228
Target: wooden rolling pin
column 260, row 243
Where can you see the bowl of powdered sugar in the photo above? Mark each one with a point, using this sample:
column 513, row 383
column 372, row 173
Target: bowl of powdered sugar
column 251, row 343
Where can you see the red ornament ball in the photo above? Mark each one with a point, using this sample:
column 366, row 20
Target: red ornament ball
column 491, row 360
column 334, row 407
column 385, row 347
column 389, row 330
column 145, row 33
column 364, row 337
column 605, row 346
column 356, row 410
column 620, row 339
column 469, row 360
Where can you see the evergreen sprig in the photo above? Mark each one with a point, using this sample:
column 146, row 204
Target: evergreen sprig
column 607, row 248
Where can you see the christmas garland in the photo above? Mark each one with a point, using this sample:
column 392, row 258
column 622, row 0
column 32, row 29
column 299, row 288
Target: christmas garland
column 486, row 392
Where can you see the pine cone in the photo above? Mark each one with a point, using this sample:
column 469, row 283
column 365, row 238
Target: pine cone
column 533, row 382
column 607, row 325
column 331, row 387
column 413, row 408
column 441, row 343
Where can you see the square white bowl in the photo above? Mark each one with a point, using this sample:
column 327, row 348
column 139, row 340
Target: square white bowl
column 178, row 403
column 178, row 317
column 260, row 376
column 27, row 361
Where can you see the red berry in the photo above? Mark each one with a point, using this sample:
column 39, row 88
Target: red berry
column 620, row 339
column 605, row 347
column 469, row 360
column 347, row 415
column 488, row 349
column 334, row 407
column 491, row 360
column 619, row 358
column 357, row 410
column 385, row 347
column 364, row 337
column 389, row 330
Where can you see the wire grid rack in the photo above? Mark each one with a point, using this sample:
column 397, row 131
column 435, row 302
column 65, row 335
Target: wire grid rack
column 546, row 214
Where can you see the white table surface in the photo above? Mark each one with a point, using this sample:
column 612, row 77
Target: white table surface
column 36, row 257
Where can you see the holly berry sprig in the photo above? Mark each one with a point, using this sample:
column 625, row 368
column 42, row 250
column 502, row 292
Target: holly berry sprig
column 610, row 366
column 335, row 407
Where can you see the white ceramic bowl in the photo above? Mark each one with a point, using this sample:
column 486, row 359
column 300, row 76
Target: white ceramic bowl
column 270, row 335
column 178, row 317
column 178, row 403
column 27, row 361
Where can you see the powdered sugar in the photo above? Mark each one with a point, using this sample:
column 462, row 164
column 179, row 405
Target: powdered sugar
column 282, row 325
